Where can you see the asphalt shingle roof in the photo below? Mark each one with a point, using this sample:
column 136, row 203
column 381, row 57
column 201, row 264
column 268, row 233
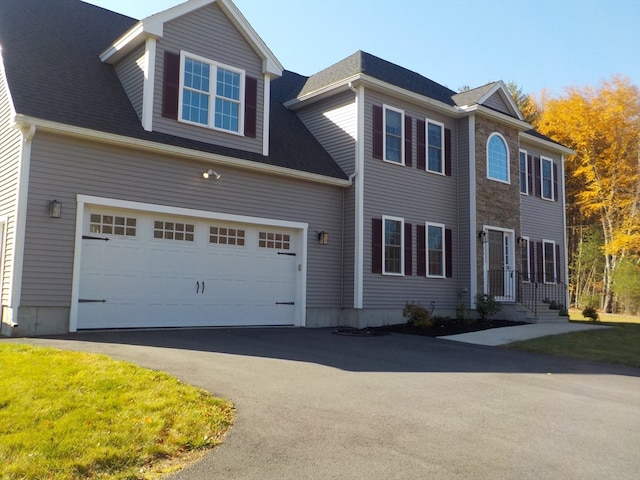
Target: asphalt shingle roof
column 51, row 53
column 365, row 63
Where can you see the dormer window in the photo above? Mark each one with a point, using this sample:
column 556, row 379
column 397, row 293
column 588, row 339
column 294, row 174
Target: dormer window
column 211, row 94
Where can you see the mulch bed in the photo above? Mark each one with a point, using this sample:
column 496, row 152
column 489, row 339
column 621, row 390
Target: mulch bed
column 452, row 327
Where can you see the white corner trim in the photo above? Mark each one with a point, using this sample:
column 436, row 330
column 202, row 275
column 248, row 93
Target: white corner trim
column 473, row 256
column 301, row 300
column 358, row 268
column 20, row 221
column 148, row 87
column 266, row 115
column 77, row 256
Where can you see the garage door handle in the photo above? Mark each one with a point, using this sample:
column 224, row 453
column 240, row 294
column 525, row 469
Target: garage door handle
column 197, row 287
column 202, row 286
column 285, row 303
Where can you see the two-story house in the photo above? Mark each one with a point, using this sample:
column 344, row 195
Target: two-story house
column 169, row 172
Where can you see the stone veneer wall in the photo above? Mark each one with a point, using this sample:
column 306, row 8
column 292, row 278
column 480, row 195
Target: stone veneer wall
column 497, row 203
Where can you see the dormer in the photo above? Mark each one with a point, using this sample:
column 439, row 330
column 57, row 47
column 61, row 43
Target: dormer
column 198, row 71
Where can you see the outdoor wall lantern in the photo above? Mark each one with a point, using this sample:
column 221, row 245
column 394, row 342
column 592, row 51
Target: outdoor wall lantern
column 482, row 235
column 55, row 209
column 522, row 241
column 323, row 238
column 211, row 173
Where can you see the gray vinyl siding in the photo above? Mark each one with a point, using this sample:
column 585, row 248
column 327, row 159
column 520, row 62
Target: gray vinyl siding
column 348, row 254
column 334, row 123
column 61, row 168
column 207, row 32
column 543, row 219
column 496, row 102
column 10, row 139
column 130, row 71
column 418, row 197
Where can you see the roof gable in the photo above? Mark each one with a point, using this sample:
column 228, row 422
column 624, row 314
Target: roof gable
column 153, row 26
column 494, row 95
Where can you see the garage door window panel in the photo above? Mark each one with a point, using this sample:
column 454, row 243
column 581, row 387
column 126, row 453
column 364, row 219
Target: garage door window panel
column 112, row 225
column 174, row 231
column 227, row 236
column 280, row 241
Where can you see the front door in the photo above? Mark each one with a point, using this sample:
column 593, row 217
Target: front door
column 500, row 275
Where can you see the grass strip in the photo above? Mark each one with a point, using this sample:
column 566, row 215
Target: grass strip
column 619, row 344
column 70, row 415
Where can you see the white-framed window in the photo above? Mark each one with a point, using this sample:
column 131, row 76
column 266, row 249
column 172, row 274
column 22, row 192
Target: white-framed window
column 549, row 261
column 392, row 245
column 435, row 146
column 393, row 147
column 525, row 270
column 497, row 158
column 524, row 173
column 211, row 94
column 546, row 178
column 435, row 249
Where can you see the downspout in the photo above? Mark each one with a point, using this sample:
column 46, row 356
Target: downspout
column 15, row 285
column 357, row 179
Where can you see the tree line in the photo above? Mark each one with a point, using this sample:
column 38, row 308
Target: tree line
column 602, row 187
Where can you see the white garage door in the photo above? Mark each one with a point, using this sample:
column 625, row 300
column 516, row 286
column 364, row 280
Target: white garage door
column 140, row 269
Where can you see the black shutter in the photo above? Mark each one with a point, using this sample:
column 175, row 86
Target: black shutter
column 558, row 264
column 422, row 250
column 171, row 85
column 540, row 269
column 422, row 148
column 408, row 141
column 408, row 251
column 532, row 262
column 555, row 182
column 250, row 106
column 530, row 175
column 447, row 152
column 448, row 252
column 376, row 245
column 377, row 132
column 536, row 166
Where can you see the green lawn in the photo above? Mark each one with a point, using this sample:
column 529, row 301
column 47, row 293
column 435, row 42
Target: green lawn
column 69, row 415
column 619, row 344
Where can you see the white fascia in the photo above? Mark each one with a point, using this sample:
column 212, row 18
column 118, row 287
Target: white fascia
column 499, row 116
column 20, row 220
column 473, row 260
column 148, row 86
column 374, row 83
column 119, row 140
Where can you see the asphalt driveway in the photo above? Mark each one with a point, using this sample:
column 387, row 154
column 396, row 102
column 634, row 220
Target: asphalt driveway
column 315, row 405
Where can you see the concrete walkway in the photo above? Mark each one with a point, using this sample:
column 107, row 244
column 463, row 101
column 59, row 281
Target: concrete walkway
column 501, row 336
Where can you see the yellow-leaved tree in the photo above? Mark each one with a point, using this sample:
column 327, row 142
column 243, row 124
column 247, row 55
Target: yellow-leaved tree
column 602, row 124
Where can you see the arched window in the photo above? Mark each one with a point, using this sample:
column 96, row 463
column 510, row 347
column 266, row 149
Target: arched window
column 497, row 158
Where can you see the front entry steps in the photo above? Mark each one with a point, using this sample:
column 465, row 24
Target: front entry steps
column 543, row 313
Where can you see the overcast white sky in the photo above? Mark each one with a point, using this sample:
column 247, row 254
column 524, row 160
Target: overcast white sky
column 538, row 44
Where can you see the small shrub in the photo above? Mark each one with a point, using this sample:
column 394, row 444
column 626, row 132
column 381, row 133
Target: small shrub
column 461, row 310
column 417, row 315
column 590, row 312
column 487, row 305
